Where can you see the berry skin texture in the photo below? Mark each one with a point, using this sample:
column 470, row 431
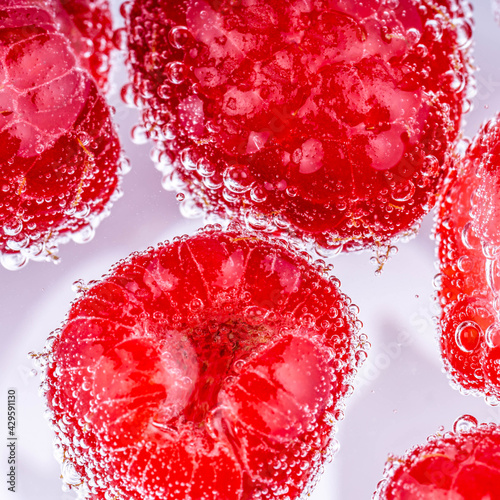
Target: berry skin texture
column 468, row 236
column 60, row 155
column 212, row 367
column 329, row 121
column 459, row 465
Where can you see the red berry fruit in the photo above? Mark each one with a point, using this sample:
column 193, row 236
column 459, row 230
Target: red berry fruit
column 468, row 234
column 459, row 465
column 88, row 25
column 213, row 367
column 60, row 153
column 327, row 120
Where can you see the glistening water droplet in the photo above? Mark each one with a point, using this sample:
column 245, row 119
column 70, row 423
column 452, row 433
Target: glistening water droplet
column 465, row 423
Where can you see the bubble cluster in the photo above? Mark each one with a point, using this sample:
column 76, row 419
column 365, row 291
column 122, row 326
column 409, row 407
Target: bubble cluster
column 467, row 231
column 60, row 161
column 331, row 123
column 214, row 366
column 459, row 464
column 95, row 38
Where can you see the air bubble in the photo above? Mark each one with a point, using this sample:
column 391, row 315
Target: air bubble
column 255, row 315
column 120, row 39
column 169, row 132
column 258, row 194
column 456, row 81
column 139, row 135
column 85, row 235
column 229, row 196
column 84, row 138
column 464, row 32
column 213, row 182
column 69, row 474
column 237, row 179
column 82, row 212
column 88, row 49
column 492, row 336
column 238, row 365
column 469, row 239
column 180, row 196
column 13, row 227
column 490, row 251
column 435, row 29
column 124, row 166
column 465, row 423
column 205, row 167
column 125, row 8
column 403, row 192
column 360, row 358
column 413, row 36
column 179, row 37
column 464, row 264
column 190, row 209
column 468, row 335
column 256, row 221
column 176, row 72
column 13, row 261
column 188, row 159
column 164, row 92
column 308, row 320
column 196, row 305
column 127, row 95
column 437, row 281
column 79, row 286
column 18, row 244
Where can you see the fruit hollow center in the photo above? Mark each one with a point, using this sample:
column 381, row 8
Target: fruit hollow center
column 274, row 385
column 208, row 362
column 215, row 362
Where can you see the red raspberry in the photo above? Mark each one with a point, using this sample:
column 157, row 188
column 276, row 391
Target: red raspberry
column 60, row 153
column 331, row 121
column 468, row 237
column 461, row 465
column 212, row 367
column 88, row 25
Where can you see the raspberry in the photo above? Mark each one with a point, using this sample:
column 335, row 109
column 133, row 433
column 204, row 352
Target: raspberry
column 60, row 152
column 463, row 464
column 328, row 121
column 88, row 25
column 211, row 367
column 468, row 242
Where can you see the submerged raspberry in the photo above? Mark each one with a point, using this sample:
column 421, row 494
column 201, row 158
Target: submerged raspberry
column 468, row 237
column 331, row 121
column 464, row 464
column 60, row 153
column 210, row 367
column 88, row 25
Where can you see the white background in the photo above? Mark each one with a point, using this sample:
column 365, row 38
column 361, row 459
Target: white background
column 402, row 394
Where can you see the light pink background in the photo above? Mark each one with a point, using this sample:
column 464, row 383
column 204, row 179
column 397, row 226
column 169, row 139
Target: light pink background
column 401, row 394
